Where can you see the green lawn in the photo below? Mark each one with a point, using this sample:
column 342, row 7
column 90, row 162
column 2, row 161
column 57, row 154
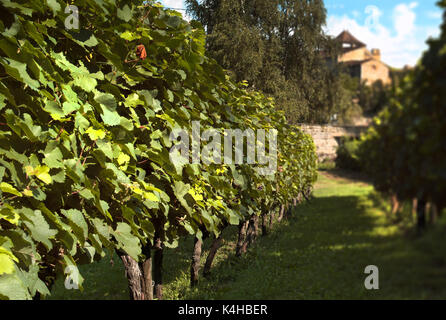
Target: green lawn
column 320, row 253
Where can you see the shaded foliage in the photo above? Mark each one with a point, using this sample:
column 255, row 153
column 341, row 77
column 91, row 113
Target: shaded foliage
column 347, row 155
column 279, row 47
column 405, row 150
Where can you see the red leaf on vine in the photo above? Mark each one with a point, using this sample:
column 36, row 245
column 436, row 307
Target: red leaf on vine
column 141, row 51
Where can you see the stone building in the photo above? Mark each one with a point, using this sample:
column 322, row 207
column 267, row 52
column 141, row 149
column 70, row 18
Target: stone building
column 360, row 62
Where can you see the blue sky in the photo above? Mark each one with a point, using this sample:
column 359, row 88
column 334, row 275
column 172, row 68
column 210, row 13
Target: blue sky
column 399, row 28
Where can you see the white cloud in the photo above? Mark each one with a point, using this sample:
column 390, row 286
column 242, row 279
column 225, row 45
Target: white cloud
column 177, row 4
column 404, row 19
column 433, row 32
column 400, row 44
column 373, row 16
column 434, row 14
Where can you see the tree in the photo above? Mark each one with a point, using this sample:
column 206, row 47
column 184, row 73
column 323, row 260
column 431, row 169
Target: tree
column 404, row 151
column 279, row 47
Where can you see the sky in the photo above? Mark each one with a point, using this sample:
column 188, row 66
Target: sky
column 398, row 28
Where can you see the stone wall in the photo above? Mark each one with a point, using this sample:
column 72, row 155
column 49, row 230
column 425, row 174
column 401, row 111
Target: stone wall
column 327, row 137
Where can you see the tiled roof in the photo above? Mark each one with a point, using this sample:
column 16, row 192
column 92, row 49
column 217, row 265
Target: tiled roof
column 347, row 37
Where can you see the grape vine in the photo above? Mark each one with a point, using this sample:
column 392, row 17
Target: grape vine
column 84, row 139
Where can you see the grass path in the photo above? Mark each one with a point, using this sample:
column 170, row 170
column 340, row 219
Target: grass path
column 320, row 253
